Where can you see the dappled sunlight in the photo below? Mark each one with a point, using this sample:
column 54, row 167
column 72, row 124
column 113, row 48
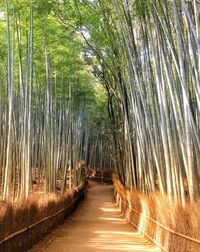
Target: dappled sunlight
column 167, row 225
column 128, row 210
column 157, row 237
column 102, row 228
column 145, row 212
column 104, row 240
column 106, row 209
column 120, row 238
column 115, row 233
column 112, row 219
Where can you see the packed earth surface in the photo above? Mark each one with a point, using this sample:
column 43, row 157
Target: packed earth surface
column 96, row 226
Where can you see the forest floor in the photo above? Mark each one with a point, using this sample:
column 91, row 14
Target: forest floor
column 96, row 226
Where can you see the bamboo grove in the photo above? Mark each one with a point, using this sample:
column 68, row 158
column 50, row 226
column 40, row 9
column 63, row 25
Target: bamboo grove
column 147, row 56
column 145, row 122
column 47, row 96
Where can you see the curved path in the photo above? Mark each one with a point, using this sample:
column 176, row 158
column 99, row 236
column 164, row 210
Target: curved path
column 96, row 226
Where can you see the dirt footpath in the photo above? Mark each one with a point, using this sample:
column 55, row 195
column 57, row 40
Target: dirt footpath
column 96, row 226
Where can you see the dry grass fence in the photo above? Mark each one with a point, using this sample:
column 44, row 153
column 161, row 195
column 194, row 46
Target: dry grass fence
column 25, row 223
column 172, row 227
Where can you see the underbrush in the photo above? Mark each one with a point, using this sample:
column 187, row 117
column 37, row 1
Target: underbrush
column 160, row 219
column 16, row 216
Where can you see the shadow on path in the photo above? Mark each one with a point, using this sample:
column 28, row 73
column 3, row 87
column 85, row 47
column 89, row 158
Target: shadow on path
column 96, row 226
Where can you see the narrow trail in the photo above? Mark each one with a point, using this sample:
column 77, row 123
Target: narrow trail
column 96, row 226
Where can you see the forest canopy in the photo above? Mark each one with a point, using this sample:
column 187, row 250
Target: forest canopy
column 111, row 82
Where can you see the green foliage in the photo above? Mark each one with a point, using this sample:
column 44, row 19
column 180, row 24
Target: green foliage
column 142, row 8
